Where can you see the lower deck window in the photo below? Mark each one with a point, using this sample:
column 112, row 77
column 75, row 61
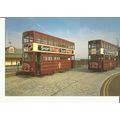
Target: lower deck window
column 47, row 58
column 28, row 57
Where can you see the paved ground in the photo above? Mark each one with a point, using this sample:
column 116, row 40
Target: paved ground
column 11, row 70
column 114, row 87
column 76, row 82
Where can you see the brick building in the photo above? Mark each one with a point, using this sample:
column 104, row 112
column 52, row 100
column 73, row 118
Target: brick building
column 13, row 56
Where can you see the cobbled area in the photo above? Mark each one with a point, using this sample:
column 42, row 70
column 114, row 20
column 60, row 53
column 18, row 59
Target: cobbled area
column 76, row 82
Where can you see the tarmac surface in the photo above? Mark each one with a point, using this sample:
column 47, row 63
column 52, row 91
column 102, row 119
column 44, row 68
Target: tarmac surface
column 76, row 82
column 114, row 87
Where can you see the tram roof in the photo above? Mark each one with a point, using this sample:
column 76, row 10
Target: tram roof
column 103, row 41
column 49, row 36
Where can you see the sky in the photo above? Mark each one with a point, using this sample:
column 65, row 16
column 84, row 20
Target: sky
column 76, row 29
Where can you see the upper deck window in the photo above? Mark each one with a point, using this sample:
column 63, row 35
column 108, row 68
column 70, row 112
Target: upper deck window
column 50, row 42
column 28, row 39
column 31, row 39
column 93, row 45
column 38, row 40
column 43, row 41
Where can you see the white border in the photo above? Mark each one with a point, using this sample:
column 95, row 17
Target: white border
column 2, row 58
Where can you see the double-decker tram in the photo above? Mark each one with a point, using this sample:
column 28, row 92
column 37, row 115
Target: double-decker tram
column 102, row 56
column 46, row 54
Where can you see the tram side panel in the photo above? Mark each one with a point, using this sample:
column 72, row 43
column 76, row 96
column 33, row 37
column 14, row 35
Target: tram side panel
column 52, row 64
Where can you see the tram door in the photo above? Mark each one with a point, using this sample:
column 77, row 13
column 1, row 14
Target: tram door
column 37, row 63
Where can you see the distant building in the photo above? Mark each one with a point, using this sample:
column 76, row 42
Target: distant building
column 13, row 56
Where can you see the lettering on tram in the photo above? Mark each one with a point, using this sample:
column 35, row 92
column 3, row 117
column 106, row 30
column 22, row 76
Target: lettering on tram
column 43, row 48
column 46, row 54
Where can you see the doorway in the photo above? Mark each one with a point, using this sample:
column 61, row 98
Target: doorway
column 37, row 63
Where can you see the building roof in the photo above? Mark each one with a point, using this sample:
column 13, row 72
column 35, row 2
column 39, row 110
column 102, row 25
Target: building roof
column 17, row 53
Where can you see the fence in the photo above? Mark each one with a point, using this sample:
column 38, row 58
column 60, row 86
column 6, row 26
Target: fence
column 15, row 69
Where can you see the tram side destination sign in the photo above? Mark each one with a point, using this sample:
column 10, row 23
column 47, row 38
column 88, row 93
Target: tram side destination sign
column 43, row 48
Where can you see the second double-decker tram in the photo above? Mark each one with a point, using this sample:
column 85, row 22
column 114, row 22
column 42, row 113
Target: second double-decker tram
column 102, row 55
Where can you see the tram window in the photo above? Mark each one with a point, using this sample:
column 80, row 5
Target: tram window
column 55, row 43
column 58, row 58
column 44, row 58
column 31, row 39
column 63, row 44
column 69, row 46
column 93, row 46
column 49, row 58
column 55, row 58
column 38, row 40
column 45, row 41
column 26, row 40
column 27, row 57
column 42, row 41
column 73, row 46
column 50, row 42
column 59, row 44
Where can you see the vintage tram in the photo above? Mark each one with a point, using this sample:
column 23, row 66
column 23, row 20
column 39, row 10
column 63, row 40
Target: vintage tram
column 102, row 55
column 46, row 54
